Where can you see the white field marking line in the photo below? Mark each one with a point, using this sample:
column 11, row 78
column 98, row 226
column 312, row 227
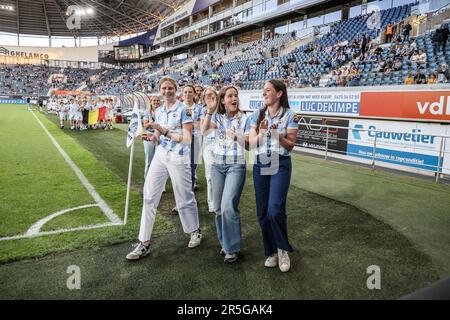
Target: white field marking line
column 93, row 226
column 90, row 188
column 36, row 227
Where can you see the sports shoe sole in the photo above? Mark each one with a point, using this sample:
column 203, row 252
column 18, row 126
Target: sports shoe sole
column 192, row 246
column 231, row 260
column 133, row 258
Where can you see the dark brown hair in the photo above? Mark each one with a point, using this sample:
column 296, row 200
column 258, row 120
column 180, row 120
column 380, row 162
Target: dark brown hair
column 220, row 107
column 284, row 100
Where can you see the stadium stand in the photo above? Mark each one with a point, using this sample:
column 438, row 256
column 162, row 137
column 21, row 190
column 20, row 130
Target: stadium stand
column 333, row 60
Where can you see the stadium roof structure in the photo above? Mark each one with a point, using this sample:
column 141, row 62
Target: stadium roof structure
column 104, row 18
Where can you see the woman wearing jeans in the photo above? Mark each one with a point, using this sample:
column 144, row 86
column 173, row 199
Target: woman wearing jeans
column 228, row 169
column 173, row 131
column 208, row 98
column 274, row 132
column 149, row 145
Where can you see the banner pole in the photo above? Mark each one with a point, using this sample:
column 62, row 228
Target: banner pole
column 130, row 169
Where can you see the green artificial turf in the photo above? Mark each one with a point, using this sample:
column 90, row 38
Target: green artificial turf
column 341, row 220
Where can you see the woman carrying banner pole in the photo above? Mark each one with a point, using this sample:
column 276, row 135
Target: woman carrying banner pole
column 173, row 130
column 149, row 143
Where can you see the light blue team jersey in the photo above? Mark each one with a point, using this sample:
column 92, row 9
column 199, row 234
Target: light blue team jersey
column 173, row 120
column 224, row 145
column 146, row 117
column 210, row 137
column 62, row 110
column 270, row 144
column 196, row 111
column 73, row 107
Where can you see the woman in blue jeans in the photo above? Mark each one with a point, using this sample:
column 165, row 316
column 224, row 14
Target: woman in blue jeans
column 149, row 144
column 273, row 132
column 228, row 168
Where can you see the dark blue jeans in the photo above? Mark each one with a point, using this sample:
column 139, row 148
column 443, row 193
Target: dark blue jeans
column 271, row 195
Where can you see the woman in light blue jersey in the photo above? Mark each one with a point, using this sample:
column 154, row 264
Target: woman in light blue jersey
column 209, row 100
column 273, row 132
column 173, row 131
column 62, row 114
column 193, row 110
column 228, row 169
column 148, row 139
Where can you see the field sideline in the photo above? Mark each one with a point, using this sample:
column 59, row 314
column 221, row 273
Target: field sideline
column 342, row 219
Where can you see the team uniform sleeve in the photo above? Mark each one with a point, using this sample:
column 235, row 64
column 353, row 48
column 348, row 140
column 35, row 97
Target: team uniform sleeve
column 254, row 119
column 214, row 119
column 248, row 122
column 290, row 123
column 202, row 113
column 185, row 118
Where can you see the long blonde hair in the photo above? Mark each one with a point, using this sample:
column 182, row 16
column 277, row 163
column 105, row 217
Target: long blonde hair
column 151, row 109
column 203, row 95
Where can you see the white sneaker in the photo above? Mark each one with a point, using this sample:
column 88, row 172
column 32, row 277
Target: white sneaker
column 283, row 260
column 211, row 210
column 139, row 252
column 272, row 261
column 196, row 238
column 230, row 257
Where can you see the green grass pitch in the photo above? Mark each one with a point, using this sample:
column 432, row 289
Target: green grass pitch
column 341, row 219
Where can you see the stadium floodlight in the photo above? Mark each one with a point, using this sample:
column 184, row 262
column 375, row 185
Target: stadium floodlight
column 90, row 11
column 6, row 7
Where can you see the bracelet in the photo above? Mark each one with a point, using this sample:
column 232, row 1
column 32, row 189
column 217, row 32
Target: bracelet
column 209, row 113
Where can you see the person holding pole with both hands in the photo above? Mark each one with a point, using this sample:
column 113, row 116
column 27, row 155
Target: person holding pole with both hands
column 173, row 131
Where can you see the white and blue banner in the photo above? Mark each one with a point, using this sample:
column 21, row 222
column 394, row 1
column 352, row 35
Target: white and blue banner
column 12, row 101
column 402, row 143
column 135, row 127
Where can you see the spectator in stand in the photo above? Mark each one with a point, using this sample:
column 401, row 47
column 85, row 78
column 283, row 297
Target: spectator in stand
column 389, row 32
column 381, row 65
column 406, row 31
column 397, row 64
column 409, row 79
column 420, row 78
column 363, row 47
column 378, row 51
column 444, row 36
column 432, row 79
column 436, row 39
column 443, row 74
column 422, row 57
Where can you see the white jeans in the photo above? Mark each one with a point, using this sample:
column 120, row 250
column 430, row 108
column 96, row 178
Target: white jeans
column 208, row 157
column 165, row 164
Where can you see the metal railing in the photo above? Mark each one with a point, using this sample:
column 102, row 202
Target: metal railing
column 376, row 147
